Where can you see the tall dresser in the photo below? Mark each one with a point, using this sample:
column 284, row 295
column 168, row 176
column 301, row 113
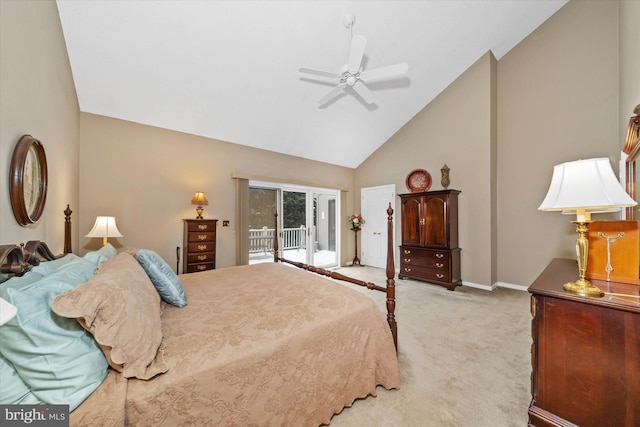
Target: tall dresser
column 429, row 250
column 585, row 354
column 199, row 245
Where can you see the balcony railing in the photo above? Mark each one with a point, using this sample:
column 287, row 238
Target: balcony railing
column 261, row 239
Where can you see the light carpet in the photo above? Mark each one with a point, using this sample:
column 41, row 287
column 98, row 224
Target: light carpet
column 465, row 357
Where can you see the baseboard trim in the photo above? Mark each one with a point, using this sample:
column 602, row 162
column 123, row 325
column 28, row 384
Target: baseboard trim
column 512, row 286
column 495, row 285
column 478, row 286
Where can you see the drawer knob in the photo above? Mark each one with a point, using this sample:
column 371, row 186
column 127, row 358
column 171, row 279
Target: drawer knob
column 439, row 276
column 203, row 227
column 202, row 257
column 407, row 252
column 202, row 247
column 439, row 264
column 439, row 255
column 202, row 267
column 202, row 237
column 407, row 260
column 407, row 270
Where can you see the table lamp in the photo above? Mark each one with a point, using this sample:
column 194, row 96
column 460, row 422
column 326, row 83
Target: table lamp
column 581, row 188
column 104, row 227
column 199, row 199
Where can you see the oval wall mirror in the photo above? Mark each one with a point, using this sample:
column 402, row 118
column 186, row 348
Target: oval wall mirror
column 28, row 180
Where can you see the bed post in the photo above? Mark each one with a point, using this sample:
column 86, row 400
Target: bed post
column 67, row 230
column 275, row 238
column 391, row 283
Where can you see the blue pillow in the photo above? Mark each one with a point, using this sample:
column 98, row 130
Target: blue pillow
column 104, row 253
column 14, row 391
column 162, row 276
column 55, row 357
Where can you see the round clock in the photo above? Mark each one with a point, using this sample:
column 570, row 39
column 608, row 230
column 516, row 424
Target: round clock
column 28, row 180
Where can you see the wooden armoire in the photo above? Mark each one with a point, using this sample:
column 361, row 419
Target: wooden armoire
column 429, row 250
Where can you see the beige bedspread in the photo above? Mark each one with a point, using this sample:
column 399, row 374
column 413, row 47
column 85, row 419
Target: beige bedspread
column 261, row 345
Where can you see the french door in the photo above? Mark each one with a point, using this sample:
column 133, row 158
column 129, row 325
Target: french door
column 307, row 223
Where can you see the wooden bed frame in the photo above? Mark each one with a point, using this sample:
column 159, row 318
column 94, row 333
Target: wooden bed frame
column 389, row 289
column 15, row 260
column 18, row 259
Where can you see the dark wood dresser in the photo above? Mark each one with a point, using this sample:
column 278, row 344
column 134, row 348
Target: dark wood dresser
column 429, row 250
column 585, row 354
column 199, row 245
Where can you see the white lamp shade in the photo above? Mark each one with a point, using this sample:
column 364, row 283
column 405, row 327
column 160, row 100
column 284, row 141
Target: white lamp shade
column 588, row 186
column 7, row 311
column 105, row 226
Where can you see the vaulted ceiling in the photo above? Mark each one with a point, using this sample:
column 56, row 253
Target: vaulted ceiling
column 228, row 70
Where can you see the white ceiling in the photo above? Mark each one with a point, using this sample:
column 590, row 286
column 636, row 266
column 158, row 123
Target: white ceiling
column 228, row 70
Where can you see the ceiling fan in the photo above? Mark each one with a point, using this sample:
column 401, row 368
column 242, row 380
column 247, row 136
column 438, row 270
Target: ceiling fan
column 352, row 75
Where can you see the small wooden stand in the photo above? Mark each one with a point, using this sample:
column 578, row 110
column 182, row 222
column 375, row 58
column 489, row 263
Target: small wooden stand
column 614, row 251
column 356, row 260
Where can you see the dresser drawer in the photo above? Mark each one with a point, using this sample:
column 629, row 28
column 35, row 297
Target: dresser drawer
column 426, row 274
column 201, row 226
column 426, row 261
column 201, row 247
column 203, row 266
column 201, row 257
column 416, row 255
column 202, row 236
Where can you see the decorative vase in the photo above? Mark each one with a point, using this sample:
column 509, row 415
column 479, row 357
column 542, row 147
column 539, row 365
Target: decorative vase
column 445, row 176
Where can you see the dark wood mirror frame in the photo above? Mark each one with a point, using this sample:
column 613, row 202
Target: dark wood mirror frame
column 28, row 180
column 632, row 150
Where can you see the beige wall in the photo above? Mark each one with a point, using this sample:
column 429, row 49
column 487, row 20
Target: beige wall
column 454, row 129
column 37, row 97
column 146, row 176
column 629, row 63
column 557, row 101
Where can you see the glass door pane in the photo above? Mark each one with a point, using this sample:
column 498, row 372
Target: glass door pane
column 263, row 203
column 296, row 240
column 325, row 216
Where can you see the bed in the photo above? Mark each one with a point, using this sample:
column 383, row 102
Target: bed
column 265, row 344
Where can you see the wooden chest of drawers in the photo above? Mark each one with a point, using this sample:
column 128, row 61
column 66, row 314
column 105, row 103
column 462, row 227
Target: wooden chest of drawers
column 585, row 354
column 429, row 250
column 439, row 266
column 199, row 245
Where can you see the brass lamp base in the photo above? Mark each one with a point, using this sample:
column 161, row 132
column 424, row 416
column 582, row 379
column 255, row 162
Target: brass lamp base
column 199, row 211
column 584, row 288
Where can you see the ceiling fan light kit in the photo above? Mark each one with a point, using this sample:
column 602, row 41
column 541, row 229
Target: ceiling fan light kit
column 352, row 75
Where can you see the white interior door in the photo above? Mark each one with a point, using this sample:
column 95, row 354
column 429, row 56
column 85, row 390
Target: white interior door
column 374, row 204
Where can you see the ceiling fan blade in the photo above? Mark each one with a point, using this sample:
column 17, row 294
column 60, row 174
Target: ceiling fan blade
column 364, row 92
column 356, row 53
column 334, row 92
column 385, row 72
column 319, row 73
